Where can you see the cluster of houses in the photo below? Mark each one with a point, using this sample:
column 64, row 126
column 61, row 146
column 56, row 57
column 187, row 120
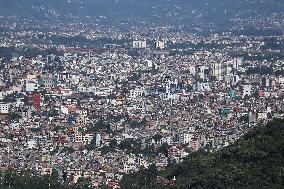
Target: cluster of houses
column 102, row 115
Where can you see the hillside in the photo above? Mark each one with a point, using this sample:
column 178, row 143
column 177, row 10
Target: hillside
column 166, row 11
column 255, row 161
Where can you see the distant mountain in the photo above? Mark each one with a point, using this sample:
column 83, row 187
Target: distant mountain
column 166, row 11
column 255, row 161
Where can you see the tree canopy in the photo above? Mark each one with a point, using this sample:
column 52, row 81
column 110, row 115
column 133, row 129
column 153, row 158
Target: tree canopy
column 254, row 161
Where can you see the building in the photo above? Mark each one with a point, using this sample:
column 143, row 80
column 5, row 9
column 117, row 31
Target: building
column 4, row 108
column 112, row 46
column 137, row 92
column 139, row 44
column 247, row 90
column 237, row 63
column 50, row 59
column 31, row 83
column 98, row 139
column 160, row 44
column 36, row 100
column 160, row 53
column 217, row 70
column 195, row 144
column 186, row 138
column 202, row 72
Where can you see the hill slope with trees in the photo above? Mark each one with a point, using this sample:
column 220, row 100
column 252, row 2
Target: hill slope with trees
column 255, row 161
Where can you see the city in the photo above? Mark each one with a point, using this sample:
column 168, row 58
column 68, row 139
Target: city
column 95, row 103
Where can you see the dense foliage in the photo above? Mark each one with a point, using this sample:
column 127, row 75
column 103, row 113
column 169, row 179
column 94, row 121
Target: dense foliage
column 255, row 161
column 8, row 52
column 24, row 180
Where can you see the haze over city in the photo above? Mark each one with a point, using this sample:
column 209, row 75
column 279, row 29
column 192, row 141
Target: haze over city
column 132, row 94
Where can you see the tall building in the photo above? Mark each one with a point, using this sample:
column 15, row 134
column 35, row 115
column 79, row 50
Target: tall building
column 202, row 72
column 217, row 70
column 237, row 62
column 224, row 70
column 98, row 139
column 36, row 100
column 31, row 83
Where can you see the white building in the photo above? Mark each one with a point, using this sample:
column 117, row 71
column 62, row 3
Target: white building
column 149, row 63
column 167, row 139
column 4, row 108
column 98, row 139
column 31, row 144
column 87, row 138
column 186, row 138
column 192, row 69
column 31, row 83
column 247, row 90
column 262, row 116
column 202, row 72
column 160, row 44
column 217, row 70
column 237, row 63
column 64, row 110
column 139, row 44
column 137, row 92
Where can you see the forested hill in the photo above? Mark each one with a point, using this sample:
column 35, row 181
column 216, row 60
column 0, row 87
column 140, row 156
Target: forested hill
column 172, row 11
column 255, row 161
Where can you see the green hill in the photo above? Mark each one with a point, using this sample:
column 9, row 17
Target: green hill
column 255, row 161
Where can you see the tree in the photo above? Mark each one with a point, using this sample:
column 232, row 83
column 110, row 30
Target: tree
column 68, row 150
column 164, row 149
column 113, row 144
column 83, row 183
column 53, row 113
column 254, row 161
column 157, row 137
column 14, row 116
column 11, row 98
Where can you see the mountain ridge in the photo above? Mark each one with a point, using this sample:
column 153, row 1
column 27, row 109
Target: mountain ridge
column 171, row 11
